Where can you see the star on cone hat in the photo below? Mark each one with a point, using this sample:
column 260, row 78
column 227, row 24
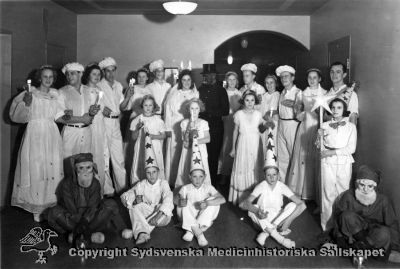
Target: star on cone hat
column 149, row 155
column 270, row 156
column 196, row 163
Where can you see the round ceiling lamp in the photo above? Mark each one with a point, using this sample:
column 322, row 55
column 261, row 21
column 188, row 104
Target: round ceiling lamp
column 180, row 7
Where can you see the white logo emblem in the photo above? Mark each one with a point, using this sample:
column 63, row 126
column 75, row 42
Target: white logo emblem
column 39, row 240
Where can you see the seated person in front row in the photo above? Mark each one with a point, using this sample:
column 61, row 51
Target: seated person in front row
column 268, row 213
column 364, row 218
column 149, row 202
column 81, row 210
column 199, row 203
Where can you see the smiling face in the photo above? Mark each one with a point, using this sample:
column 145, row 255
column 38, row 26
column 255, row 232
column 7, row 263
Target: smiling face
column 194, row 109
column 287, row 79
column 148, row 107
column 248, row 77
column 186, row 82
column 159, row 74
column 47, row 78
column 197, row 178
column 270, row 84
column 152, row 175
column 142, row 78
column 249, row 101
column 337, row 110
column 73, row 77
column 313, row 79
column 337, row 74
column 271, row 176
column 84, row 171
column 232, row 81
column 109, row 73
column 95, row 76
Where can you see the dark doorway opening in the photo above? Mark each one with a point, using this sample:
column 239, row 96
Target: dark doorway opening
column 266, row 49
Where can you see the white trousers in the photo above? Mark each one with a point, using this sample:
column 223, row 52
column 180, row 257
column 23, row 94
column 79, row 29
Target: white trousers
column 335, row 180
column 274, row 218
column 76, row 140
column 285, row 143
column 202, row 218
column 114, row 151
column 140, row 214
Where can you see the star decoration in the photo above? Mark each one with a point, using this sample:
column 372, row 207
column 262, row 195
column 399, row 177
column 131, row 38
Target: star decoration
column 270, row 135
column 149, row 160
column 148, row 146
column 270, row 146
column 197, row 160
column 322, row 100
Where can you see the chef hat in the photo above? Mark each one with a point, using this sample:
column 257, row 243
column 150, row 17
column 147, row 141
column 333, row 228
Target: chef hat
column 249, row 67
column 158, row 64
column 149, row 155
column 73, row 67
column 285, row 68
column 365, row 172
column 270, row 157
column 106, row 62
column 197, row 163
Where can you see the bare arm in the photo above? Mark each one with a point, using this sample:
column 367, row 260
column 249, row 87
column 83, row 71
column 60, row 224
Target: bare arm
column 234, row 140
column 206, row 139
column 248, row 204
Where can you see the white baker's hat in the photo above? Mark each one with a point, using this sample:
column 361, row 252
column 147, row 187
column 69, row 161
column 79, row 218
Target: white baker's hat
column 285, row 68
column 73, row 67
column 270, row 156
column 149, row 155
column 106, row 62
column 249, row 67
column 158, row 64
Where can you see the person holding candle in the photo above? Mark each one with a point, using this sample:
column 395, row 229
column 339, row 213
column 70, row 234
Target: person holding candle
column 246, row 149
column 150, row 201
column 268, row 213
column 193, row 128
column 225, row 161
column 79, row 101
column 112, row 99
column 40, row 160
column 198, row 203
column 249, row 78
column 339, row 141
column 174, row 113
column 159, row 87
column 269, row 108
column 288, row 123
column 304, row 171
column 147, row 124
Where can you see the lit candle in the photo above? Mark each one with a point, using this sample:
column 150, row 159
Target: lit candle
column 99, row 96
column 184, row 196
column 132, row 82
column 190, row 65
column 29, row 82
column 270, row 112
column 181, row 65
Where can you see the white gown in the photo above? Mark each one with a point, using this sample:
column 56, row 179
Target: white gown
column 40, row 159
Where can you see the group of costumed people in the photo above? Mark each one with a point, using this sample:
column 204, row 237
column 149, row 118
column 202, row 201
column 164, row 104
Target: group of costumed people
column 264, row 144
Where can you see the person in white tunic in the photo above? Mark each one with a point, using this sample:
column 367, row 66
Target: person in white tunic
column 78, row 100
column 303, row 174
column 91, row 77
column 246, row 149
column 174, row 113
column 288, row 123
column 249, row 75
column 191, row 128
column 338, row 72
column 149, row 202
column 198, row 203
column 147, row 124
column 268, row 213
column 339, row 141
column 225, row 160
column 40, row 161
column 112, row 98
column 159, row 87
column 269, row 108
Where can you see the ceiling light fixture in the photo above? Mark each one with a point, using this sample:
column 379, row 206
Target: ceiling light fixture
column 180, row 7
column 229, row 59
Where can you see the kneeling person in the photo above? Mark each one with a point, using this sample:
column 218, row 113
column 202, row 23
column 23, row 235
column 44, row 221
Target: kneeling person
column 268, row 213
column 199, row 202
column 149, row 202
column 80, row 209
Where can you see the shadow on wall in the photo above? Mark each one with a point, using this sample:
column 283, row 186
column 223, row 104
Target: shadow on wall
column 164, row 18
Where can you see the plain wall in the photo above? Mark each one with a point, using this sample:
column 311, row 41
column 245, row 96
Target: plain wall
column 135, row 40
column 374, row 27
column 24, row 21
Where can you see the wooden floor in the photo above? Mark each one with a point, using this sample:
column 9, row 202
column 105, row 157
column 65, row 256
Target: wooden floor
column 232, row 229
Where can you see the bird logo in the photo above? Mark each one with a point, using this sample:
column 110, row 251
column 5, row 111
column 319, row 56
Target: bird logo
column 39, row 240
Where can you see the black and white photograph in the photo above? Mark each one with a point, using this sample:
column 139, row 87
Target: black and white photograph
column 200, row 134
